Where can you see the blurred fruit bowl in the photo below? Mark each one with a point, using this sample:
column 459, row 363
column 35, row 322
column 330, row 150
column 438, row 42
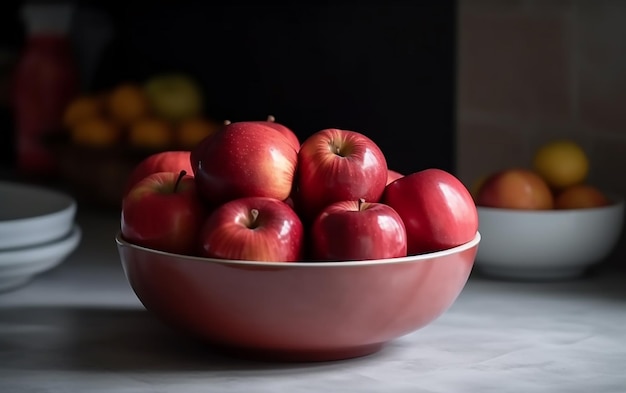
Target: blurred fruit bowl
column 95, row 175
column 547, row 244
column 298, row 311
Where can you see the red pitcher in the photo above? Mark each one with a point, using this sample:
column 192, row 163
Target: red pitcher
column 45, row 81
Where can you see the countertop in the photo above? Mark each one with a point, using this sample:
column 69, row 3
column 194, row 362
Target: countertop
column 80, row 328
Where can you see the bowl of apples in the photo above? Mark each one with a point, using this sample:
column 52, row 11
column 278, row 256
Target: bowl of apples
column 547, row 222
column 267, row 247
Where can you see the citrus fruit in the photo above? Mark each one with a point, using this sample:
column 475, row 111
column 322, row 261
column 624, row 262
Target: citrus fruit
column 82, row 108
column 151, row 133
column 95, row 132
column 477, row 184
column 561, row 163
column 127, row 103
column 580, row 196
column 174, row 96
column 191, row 131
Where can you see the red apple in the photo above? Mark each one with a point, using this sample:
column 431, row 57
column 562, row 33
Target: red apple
column 166, row 161
column 338, row 165
column 358, row 230
column 515, row 188
column 164, row 212
column 253, row 229
column 437, row 210
column 393, row 175
column 244, row 159
column 286, row 131
column 200, row 146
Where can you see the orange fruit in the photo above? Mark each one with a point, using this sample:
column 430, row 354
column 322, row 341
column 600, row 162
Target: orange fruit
column 580, row 196
column 96, row 132
column 562, row 163
column 127, row 103
column 191, row 131
column 151, row 133
column 82, row 108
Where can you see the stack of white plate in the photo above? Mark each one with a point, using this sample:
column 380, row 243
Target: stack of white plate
column 37, row 231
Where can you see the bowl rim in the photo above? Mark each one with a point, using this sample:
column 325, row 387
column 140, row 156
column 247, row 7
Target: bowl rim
column 312, row 264
column 617, row 202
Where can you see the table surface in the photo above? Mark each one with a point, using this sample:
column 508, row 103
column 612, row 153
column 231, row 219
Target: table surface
column 80, row 328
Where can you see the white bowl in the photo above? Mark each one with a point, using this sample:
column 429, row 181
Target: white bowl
column 31, row 215
column 548, row 244
column 18, row 266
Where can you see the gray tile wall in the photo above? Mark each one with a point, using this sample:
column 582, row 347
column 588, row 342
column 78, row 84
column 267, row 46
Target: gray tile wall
column 533, row 70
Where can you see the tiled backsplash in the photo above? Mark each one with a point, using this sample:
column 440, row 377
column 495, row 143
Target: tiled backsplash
column 533, row 70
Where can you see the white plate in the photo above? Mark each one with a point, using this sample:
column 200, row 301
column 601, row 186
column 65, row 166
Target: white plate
column 17, row 267
column 31, row 215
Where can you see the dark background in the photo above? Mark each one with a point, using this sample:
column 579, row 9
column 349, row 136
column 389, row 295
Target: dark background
column 385, row 70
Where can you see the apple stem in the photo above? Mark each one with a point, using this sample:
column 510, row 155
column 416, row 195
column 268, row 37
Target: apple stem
column 226, row 122
column 254, row 214
column 336, row 149
column 361, row 202
column 271, row 118
column 179, row 179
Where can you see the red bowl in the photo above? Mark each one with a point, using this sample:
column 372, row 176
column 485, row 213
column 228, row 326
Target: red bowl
column 297, row 311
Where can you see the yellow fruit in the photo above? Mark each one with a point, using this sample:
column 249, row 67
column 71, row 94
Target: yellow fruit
column 127, row 103
column 174, row 96
column 82, row 108
column 477, row 184
column 561, row 163
column 191, row 131
column 151, row 133
column 96, row 132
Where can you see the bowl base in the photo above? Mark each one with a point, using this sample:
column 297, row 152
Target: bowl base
column 8, row 284
column 532, row 274
column 299, row 355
